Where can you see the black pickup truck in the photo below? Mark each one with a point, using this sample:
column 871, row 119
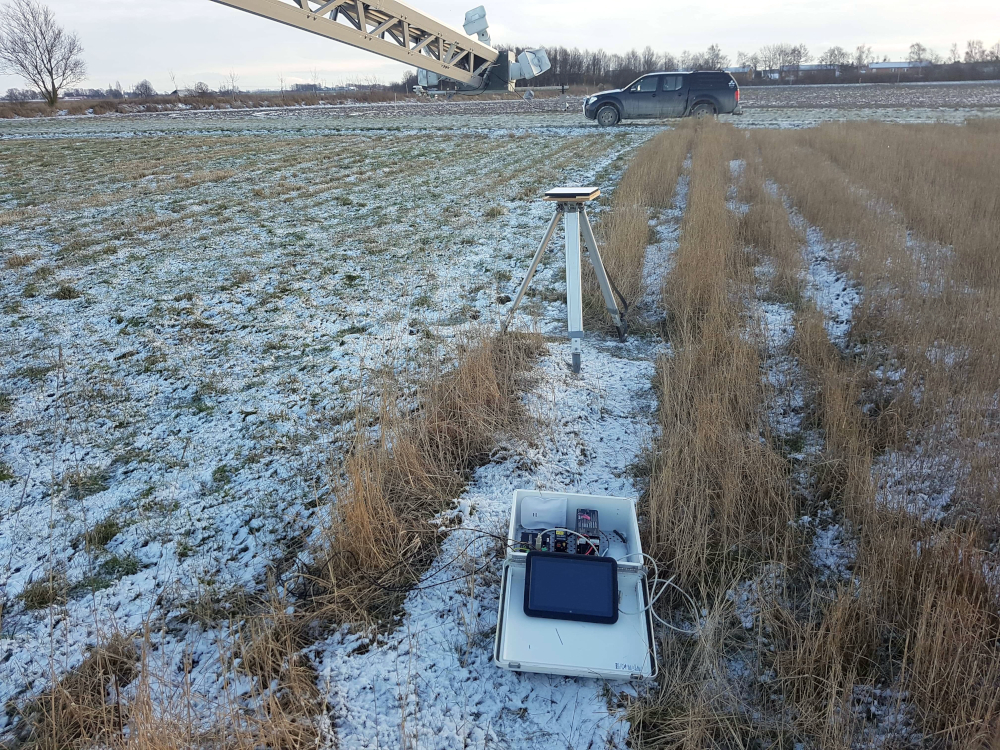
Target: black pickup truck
column 660, row 95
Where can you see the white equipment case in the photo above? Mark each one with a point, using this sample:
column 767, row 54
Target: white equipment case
column 624, row 650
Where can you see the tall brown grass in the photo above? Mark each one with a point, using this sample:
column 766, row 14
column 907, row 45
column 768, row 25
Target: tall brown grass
column 921, row 616
column 717, row 499
column 911, row 214
column 718, row 506
column 381, row 539
column 623, row 231
column 765, row 228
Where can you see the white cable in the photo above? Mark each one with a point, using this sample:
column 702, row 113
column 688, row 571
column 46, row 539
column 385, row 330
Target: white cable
column 656, row 594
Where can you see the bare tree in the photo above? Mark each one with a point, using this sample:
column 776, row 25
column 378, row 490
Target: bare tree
column 143, row 90
column 835, row 56
column 713, row 58
column 317, row 82
column 800, row 55
column 770, row 56
column 20, row 95
column 650, row 60
column 776, row 56
column 918, row 52
column 35, row 47
column 975, row 51
column 747, row 60
column 995, row 52
column 234, row 83
column 863, row 55
column 953, row 55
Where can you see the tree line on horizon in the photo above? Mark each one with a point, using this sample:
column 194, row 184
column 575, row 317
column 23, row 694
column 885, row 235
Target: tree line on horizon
column 576, row 67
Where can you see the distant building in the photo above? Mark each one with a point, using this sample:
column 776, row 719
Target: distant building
column 796, row 71
column 811, row 68
column 898, row 67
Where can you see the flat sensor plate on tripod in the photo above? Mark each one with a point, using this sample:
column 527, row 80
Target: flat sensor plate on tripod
column 573, row 194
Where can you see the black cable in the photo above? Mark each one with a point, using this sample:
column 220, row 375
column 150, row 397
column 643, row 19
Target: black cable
column 376, row 581
column 621, row 297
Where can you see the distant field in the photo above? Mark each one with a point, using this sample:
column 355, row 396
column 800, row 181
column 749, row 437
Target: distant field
column 864, row 96
column 765, row 106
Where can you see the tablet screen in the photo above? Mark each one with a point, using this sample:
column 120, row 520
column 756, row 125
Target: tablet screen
column 571, row 587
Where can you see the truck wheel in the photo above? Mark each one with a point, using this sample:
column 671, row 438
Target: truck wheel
column 607, row 116
column 702, row 111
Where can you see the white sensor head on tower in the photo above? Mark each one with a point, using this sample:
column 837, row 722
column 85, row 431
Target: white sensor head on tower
column 530, row 63
column 476, row 23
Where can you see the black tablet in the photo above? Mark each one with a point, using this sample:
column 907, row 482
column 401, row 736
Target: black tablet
column 561, row 586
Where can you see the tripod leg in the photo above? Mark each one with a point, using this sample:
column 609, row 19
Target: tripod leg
column 574, row 284
column 602, row 276
column 531, row 270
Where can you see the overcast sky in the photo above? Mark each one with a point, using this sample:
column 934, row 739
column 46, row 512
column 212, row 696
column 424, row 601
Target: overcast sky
column 199, row 40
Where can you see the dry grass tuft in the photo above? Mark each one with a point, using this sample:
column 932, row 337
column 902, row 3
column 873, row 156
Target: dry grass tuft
column 15, row 261
column 39, row 594
column 77, row 711
column 389, row 489
column 66, row 292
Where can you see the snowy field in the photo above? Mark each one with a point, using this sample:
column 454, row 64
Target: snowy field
column 189, row 305
column 187, row 314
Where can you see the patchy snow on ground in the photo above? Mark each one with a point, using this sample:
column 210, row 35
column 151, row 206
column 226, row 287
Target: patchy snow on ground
column 660, row 256
column 185, row 335
column 835, row 295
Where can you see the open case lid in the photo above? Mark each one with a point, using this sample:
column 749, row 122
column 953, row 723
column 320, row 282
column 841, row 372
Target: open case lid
column 623, row 650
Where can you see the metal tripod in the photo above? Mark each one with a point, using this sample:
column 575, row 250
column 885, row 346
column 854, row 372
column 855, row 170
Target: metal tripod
column 571, row 204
